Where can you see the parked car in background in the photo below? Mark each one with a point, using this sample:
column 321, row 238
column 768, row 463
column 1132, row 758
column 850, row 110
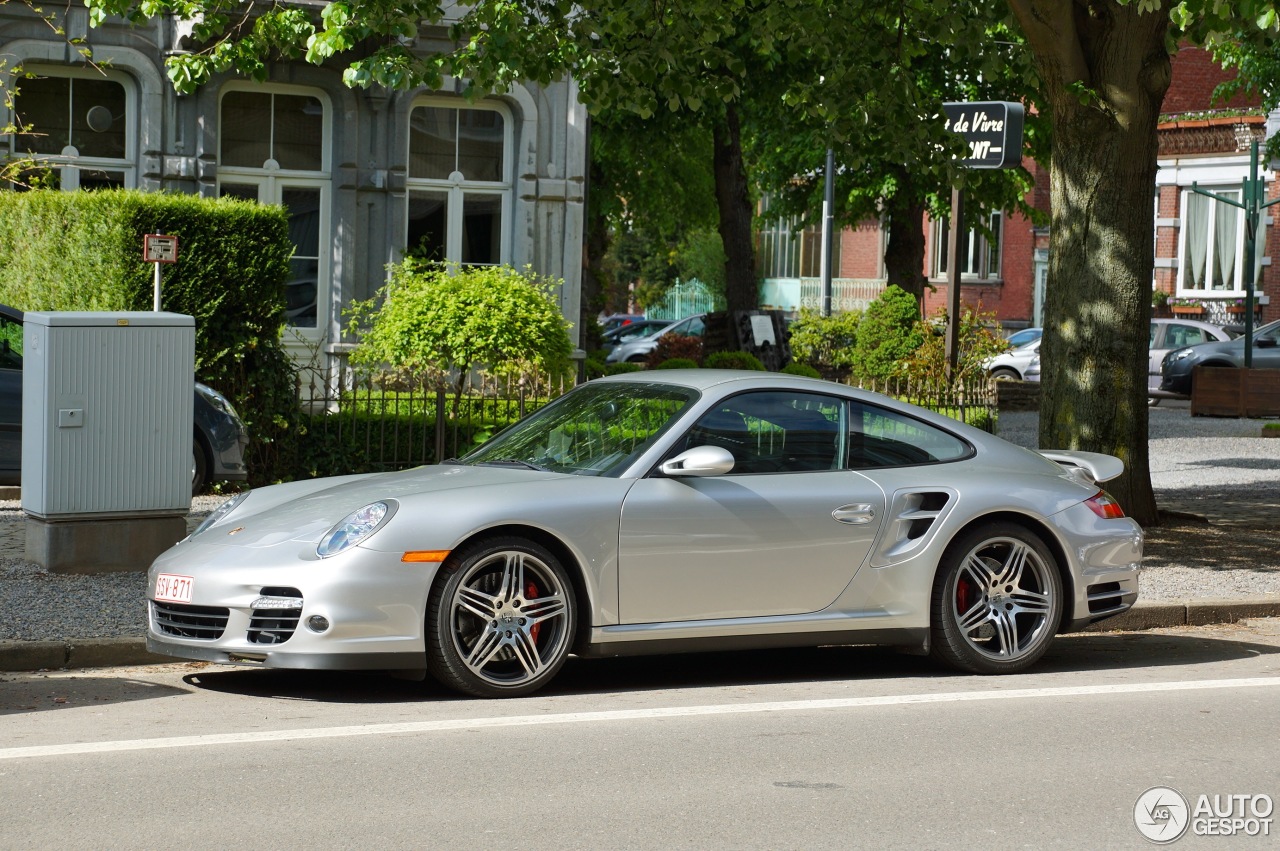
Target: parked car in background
column 218, row 444
column 659, row 512
column 1164, row 335
column 1177, row 366
column 1026, row 335
column 1013, row 363
column 616, row 320
column 632, row 331
column 636, row 351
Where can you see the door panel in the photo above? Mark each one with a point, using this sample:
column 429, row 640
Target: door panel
column 743, row 545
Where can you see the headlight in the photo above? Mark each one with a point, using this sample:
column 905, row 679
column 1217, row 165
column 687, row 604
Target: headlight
column 217, row 400
column 1178, row 354
column 354, row 528
column 220, row 513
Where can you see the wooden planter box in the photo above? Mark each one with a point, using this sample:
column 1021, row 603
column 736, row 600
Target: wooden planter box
column 1187, row 310
column 1223, row 392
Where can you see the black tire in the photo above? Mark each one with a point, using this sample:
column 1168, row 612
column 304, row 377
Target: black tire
column 199, row 468
column 997, row 601
column 1002, row 374
column 481, row 638
column 637, row 359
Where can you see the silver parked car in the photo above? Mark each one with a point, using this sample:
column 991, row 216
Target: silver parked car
column 699, row 509
column 637, row 350
column 1013, row 363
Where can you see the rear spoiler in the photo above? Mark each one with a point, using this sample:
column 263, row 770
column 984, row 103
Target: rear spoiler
column 1088, row 467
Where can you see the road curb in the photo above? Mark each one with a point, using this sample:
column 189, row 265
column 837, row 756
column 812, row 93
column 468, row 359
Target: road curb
column 109, row 652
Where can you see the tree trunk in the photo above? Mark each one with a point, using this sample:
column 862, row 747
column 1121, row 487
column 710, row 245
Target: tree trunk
column 1101, row 257
column 734, row 202
column 904, row 252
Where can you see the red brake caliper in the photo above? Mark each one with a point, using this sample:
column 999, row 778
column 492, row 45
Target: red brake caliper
column 531, row 593
column 964, row 595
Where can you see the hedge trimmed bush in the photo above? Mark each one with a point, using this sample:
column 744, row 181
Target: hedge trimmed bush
column 676, row 346
column 825, row 342
column 677, row 363
column 83, row 251
column 734, row 360
column 801, row 369
column 888, row 335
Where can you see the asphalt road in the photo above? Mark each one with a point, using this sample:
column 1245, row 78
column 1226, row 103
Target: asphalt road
column 833, row 747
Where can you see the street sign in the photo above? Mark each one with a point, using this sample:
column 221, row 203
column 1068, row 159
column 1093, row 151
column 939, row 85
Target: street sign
column 159, row 248
column 992, row 130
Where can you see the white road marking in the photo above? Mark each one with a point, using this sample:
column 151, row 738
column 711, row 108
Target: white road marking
column 620, row 715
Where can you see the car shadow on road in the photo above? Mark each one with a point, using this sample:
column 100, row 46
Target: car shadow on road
column 22, row 694
column 1102, row 653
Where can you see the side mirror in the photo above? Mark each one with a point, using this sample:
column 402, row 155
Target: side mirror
column 1265, row 343
column 700, row 461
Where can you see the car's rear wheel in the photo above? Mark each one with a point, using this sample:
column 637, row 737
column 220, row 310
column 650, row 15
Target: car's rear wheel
column 500, row 619
column 997, row 601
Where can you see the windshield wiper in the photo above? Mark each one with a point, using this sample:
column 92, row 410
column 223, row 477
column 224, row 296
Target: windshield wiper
column 514, row 462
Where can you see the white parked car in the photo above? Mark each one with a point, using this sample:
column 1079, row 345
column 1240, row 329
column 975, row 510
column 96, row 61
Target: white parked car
column 1013, row 363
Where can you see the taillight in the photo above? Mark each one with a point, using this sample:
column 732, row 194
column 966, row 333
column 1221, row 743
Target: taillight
column 1104, row 505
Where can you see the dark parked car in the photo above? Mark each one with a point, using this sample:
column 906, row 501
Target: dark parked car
column 1176, row 368
column 217, row 452
column 632, row 331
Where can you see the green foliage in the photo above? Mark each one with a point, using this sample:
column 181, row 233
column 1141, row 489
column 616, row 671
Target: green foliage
column 888, row 333
column 928, row 367
column 622, row 368
column 677, row 363
column 733, row 360
column 676, row 346
column 83, row 251
column 825, row 342
column 445, row 321
column 801, row 369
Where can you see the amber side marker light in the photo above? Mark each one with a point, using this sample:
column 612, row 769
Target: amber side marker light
column 425, row 555
column 1104, row 505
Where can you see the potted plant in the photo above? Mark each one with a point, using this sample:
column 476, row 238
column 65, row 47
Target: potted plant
column 1186, row 306
column 1235, row 306
column 1160, row 301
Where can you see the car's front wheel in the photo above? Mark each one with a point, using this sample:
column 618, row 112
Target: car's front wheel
column 500, row 619
column 997, row 601
column 1004, row 374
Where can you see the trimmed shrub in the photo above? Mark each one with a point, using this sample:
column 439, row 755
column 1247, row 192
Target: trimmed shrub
column 801, row 369
column 440, row 321
column 733, row 360
column 622, row 368
column 825, row 342
column 676, row 346
column 888, row 335
column 677, row 363
column 83, row 251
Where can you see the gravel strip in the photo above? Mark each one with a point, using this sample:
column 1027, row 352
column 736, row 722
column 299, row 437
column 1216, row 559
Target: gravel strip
column 1215, row 467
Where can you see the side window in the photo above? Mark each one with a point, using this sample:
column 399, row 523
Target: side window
column 1184, row 335
column 1155, row 332
column 774, row 432
column 10, row 343
column 882, row 438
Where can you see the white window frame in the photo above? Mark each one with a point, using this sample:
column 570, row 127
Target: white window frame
column 457, row 188
column 1215, row 208
column 272, row 181
column 69, row 165
column 979, row 246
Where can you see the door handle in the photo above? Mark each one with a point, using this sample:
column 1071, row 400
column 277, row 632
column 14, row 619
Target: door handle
column 855, row 514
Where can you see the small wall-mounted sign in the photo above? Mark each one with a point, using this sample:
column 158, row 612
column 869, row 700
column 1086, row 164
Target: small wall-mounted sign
column 993, row 131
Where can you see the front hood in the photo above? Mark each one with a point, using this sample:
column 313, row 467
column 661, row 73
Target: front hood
column 304, row 511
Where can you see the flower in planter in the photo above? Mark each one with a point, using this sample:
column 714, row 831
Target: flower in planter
column 1186, row 303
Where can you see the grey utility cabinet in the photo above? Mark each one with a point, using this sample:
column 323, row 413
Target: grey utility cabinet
column 107, row 408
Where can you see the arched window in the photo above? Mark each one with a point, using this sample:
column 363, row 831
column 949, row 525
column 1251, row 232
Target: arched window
column 459, row 183
column 79, row 123
column 273, row 147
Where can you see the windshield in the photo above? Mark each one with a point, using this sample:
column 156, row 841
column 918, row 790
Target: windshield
column 597, row 429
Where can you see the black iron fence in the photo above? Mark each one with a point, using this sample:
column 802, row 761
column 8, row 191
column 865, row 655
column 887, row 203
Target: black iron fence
column 355, row 421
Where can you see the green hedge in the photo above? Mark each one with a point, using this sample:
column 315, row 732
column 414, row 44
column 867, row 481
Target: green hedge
column 83, row 251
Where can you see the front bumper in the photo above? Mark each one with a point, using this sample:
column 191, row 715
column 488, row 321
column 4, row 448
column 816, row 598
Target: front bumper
column 374, row 606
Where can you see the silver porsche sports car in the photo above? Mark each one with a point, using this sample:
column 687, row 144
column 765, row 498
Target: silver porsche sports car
column 657, row 512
